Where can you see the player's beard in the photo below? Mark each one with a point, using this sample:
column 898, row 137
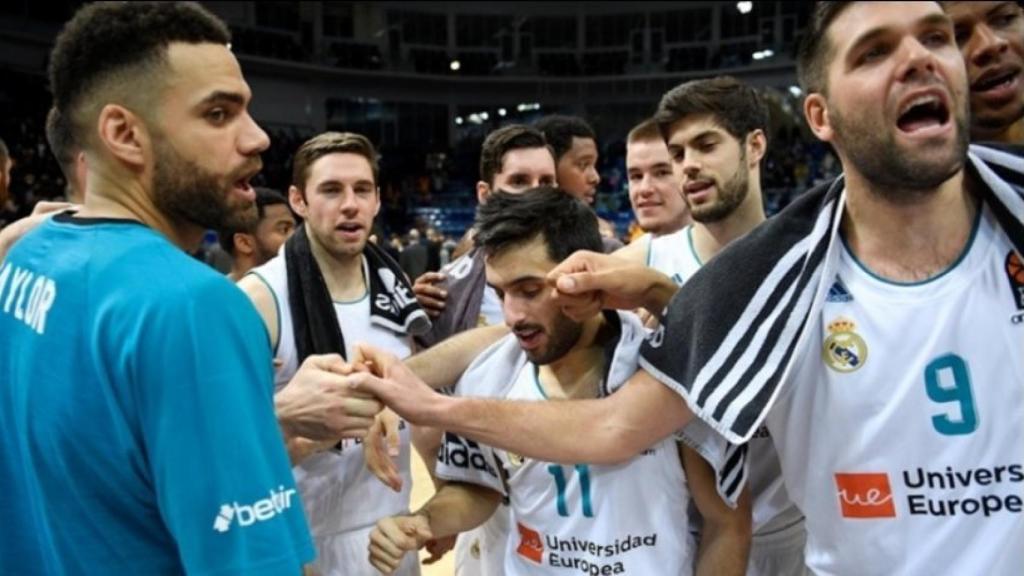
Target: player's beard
column 562, row 334
column 897, row 174
column 730, row 195
column 185, row 191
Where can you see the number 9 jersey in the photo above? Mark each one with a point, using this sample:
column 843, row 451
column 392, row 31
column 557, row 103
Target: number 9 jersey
column 577, row 518
column 902, row 431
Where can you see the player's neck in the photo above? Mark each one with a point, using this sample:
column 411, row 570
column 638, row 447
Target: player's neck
column 578, row 373
column 239, row 267
column 711, row 238
column 1012, row 134
column 909, row 240
column 127, row 199
column 343, row 274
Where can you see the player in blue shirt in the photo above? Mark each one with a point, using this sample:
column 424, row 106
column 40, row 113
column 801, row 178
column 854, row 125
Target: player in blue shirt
column 137, row 424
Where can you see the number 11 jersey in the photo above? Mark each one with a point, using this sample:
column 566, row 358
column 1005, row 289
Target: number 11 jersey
column 569, row 519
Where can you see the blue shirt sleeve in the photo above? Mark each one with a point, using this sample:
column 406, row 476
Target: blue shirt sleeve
column 216, row 457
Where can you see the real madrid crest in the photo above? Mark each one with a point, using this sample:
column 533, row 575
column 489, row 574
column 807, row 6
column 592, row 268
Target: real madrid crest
column 844, row 349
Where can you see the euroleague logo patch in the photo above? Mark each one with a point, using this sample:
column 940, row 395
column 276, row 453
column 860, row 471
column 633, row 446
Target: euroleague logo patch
column 1015, row 275
column 844, row 349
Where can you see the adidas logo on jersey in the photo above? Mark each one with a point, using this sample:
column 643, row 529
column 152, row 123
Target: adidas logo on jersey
column 259, row 511
column 838, row 292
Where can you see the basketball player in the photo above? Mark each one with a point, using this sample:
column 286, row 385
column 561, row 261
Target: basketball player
column 850, row 321
column 574, row 143
column 633, row 516
column 328, row 268
column 715, row 130
column 513, row 158
column 127, row 363
column 260, row 242
column 991, row 40
column 654, row 191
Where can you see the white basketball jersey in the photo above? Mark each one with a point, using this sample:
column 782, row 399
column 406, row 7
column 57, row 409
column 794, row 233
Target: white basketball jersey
column 902, row 431
column 582, row 519
column 339, row 493
column 676, row 256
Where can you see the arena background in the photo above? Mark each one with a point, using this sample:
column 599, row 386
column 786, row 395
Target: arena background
column 427, row 81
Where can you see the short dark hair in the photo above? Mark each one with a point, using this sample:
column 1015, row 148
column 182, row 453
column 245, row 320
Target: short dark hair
column 735, row 106
column 511, row 219
column 815, row 51
column 331, row 143
column 62, row 142
column 264, row 197
column 559, row 131
column 123, row 45
column 501, row 142
column 644, row 132
column 4, row 152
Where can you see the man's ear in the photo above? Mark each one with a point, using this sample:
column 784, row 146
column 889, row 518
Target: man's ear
column 483, row 190
column 243, row 243
column 757, row 145
column 124, row 135
column 297, row 200
column 816, row 112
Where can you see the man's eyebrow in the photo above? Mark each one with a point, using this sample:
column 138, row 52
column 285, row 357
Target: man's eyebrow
column 222, row 96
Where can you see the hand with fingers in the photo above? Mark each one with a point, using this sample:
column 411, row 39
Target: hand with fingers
column 438, row 547
column 587, row 282
column 320, row 403
column 396, row 536
column 394, row 384
column 382, row 447
column 430, row 294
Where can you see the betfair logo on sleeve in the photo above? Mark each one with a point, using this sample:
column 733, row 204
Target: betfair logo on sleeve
column 279, row 501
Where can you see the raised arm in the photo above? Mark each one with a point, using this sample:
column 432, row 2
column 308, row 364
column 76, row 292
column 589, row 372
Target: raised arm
column 618, row 427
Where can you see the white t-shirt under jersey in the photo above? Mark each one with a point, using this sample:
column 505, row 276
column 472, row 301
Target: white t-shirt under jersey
column 340, row 495
column 580, row 519
column 676, row 256
column 902, row 431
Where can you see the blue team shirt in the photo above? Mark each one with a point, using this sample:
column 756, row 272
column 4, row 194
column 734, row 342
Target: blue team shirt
column 137, row 431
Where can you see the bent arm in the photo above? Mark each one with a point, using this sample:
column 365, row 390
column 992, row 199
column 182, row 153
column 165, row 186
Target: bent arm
column 725, row 538
column 458, row 507
column 617, row 427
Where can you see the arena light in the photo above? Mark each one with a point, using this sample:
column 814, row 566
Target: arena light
column 502, row 112
column 458, row 120
column 455, row 65
column 744, row 7
column 475, row 119
column 528, row 107
column 796, row 91
column 762, row 54
column 485, row 116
